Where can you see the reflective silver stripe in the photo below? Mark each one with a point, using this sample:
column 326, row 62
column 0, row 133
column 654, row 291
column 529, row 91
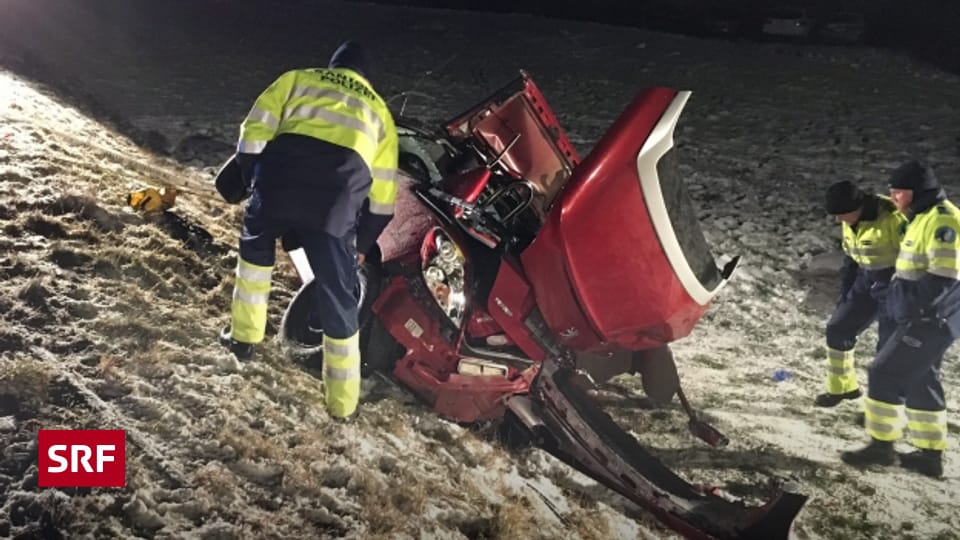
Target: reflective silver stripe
column 834, row 354
column 929, row 417
column 943, row 253
column 264, row 117
column 381, row 209
column 252, row 298
column 838, row 370
column 343, row 350
column 313, row 111
column 945, row 272
column 341, row 374
column 877, row 427
column 906, row 256
column 909, row 275
column 336, row 95
column 918, row 427
column 386, row 174
column 837, row 362
column 251, row 147
column 249, row 273
column 929, row 435
column 881, row 411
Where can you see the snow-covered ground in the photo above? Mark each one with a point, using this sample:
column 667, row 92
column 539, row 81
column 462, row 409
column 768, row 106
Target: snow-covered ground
column 109, row 319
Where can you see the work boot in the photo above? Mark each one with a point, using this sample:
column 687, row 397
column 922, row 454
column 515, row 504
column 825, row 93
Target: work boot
column 875, row 453
column 832, row 400
column 346, row 419
column 243, row 351
column 925, row 462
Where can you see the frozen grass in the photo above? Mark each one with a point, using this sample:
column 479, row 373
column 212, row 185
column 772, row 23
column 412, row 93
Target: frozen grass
column 228, row 450
column 24, row 385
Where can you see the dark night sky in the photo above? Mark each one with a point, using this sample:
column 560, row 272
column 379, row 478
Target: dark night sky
column 926, row 28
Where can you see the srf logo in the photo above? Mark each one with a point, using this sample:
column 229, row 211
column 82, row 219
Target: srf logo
column 82, row 458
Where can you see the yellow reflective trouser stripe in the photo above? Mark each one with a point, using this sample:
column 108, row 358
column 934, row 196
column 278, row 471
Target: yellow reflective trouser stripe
column 883, row 420
column 928, row 429
column 341, row 374
column 841, row 376
column 249, row 309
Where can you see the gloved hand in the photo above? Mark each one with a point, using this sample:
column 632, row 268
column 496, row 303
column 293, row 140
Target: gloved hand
column 248, row 167
column 230, row 181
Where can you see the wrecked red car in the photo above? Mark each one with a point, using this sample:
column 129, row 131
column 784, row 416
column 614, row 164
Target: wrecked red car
column 515, row 273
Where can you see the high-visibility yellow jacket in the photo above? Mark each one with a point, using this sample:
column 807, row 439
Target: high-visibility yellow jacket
column 871, row 246
column 325, row 144
column 927, row 279
column 875, row 240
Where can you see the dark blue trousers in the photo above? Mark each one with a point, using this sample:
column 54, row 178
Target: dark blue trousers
column 857, row 311
column 333, row 262
column 907, row 368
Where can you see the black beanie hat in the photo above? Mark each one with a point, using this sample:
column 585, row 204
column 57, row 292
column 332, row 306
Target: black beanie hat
column 844, row 197
column 351, row 55
column 914, row 175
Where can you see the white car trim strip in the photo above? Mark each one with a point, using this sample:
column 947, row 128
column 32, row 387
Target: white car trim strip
column 657, row 145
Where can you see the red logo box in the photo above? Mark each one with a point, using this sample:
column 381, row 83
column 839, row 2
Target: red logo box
column 82, row 458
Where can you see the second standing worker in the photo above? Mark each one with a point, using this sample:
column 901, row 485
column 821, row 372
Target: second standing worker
column 872, row 228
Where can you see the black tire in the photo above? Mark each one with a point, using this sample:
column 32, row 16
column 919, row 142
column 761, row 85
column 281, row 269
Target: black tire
column 378, row 348
column 293, row 327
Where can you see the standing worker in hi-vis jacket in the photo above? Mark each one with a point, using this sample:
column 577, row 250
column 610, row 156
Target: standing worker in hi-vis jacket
column 924, row 299
column 318, row 150
column 871, row 226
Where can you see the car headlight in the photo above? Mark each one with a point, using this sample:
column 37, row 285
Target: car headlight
column 444, row 271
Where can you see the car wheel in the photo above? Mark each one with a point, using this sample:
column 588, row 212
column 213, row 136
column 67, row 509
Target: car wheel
column 378, row 348
column 294, row 334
